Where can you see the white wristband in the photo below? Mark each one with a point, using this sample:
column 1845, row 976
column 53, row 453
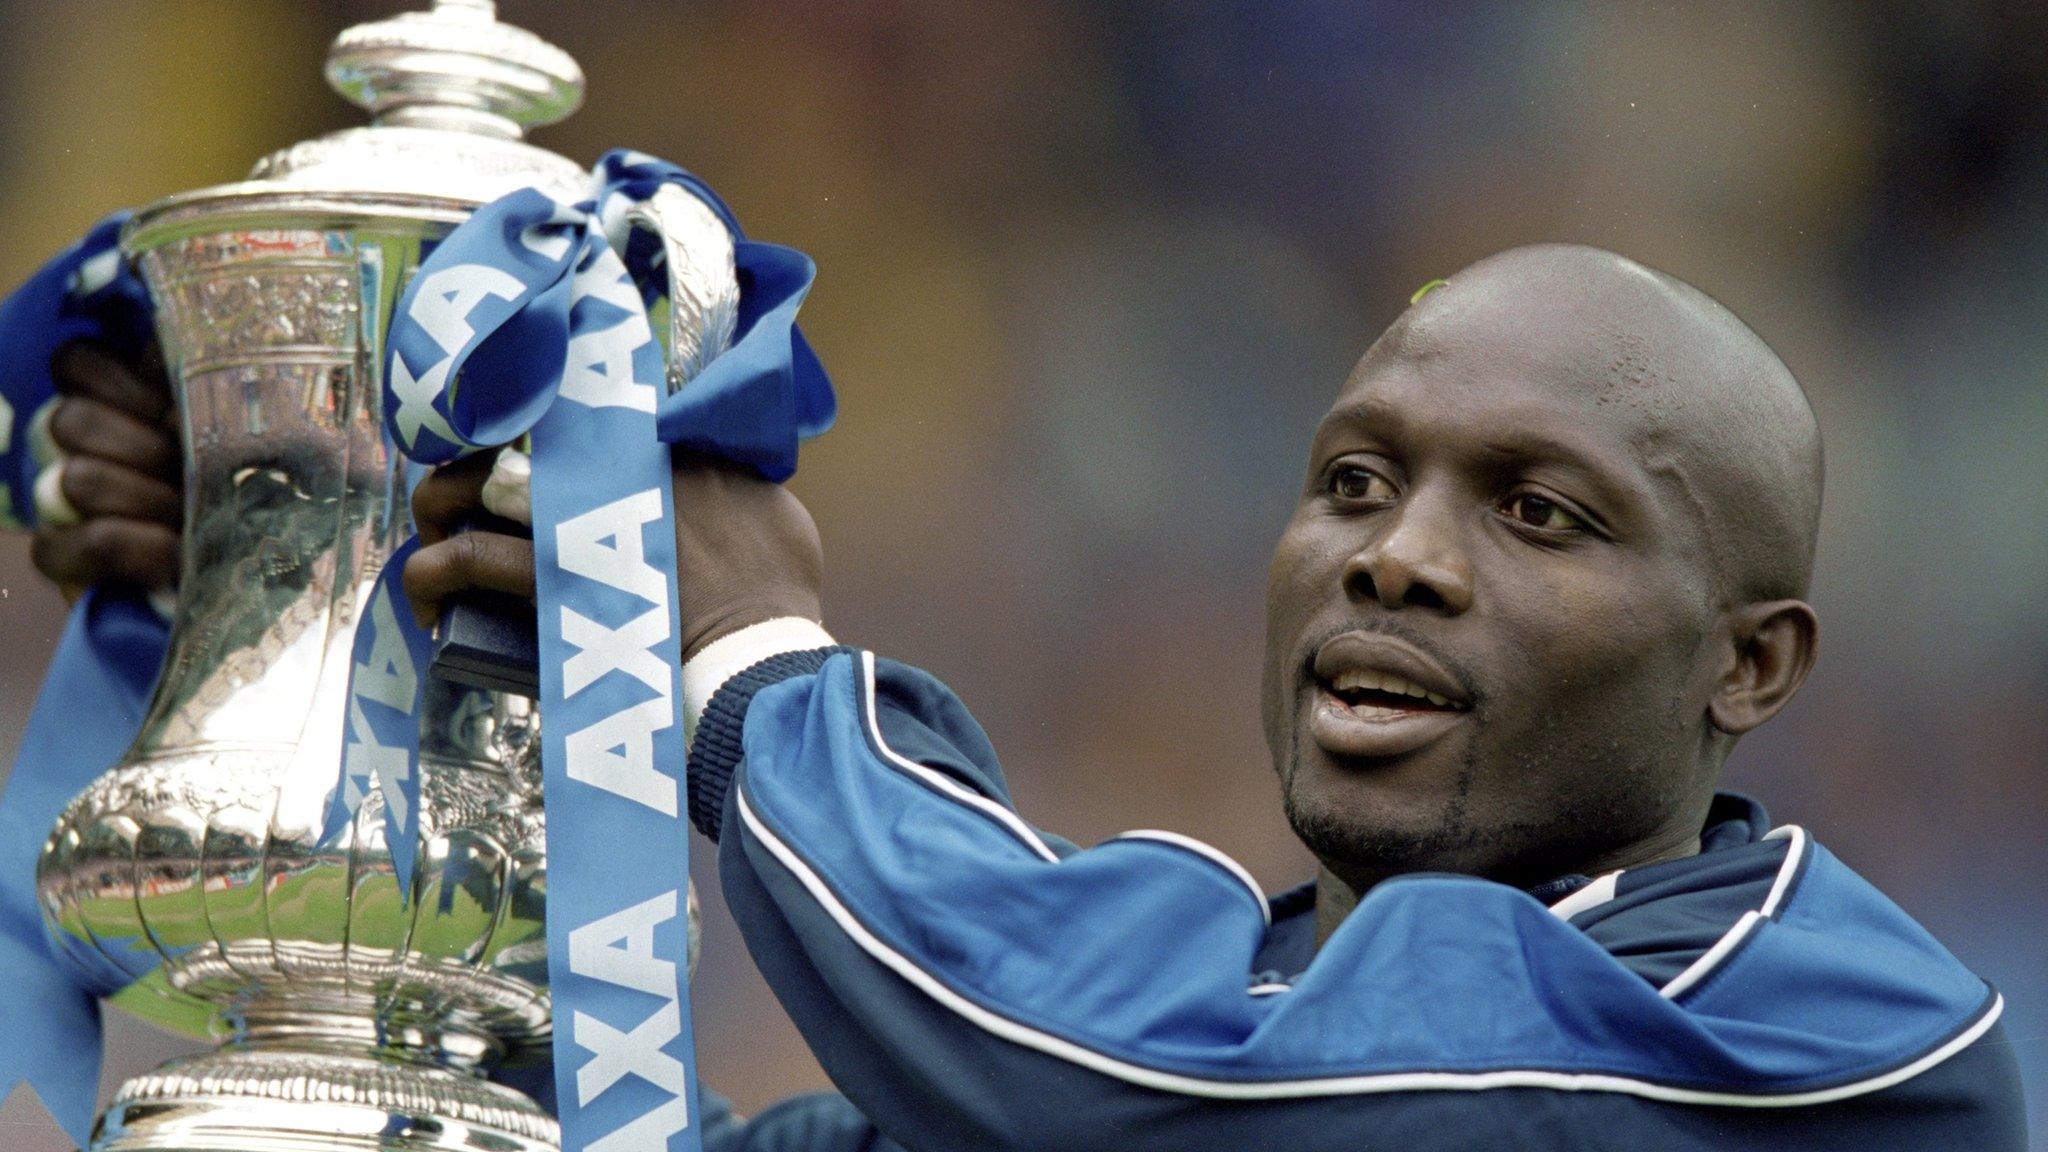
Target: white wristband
column 734, row 653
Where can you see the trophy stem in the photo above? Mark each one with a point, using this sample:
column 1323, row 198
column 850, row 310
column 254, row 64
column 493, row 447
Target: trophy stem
column 297, row 1029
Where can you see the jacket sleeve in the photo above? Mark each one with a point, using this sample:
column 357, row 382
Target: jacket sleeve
column 916, row 927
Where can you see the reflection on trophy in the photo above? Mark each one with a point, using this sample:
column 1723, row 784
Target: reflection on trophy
column 349, row 1016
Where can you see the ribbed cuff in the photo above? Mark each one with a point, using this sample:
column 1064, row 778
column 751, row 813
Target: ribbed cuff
column 715, row 752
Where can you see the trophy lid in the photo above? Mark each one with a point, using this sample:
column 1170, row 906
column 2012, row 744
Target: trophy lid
column 455, row 67
column 451, row 91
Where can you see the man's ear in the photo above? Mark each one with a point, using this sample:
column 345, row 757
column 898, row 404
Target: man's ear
column 1773, row 648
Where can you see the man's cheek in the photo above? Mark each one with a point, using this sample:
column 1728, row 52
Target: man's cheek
column 1573, row 660
column 1588, row 625
column 1291, row 588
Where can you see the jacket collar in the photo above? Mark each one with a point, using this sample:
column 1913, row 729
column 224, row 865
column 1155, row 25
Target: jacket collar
column 1710, row 887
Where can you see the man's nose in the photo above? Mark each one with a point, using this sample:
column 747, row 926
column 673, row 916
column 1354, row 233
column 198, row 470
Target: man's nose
column 1414, row 559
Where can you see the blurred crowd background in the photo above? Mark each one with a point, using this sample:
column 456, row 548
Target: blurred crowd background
column 1090, row 271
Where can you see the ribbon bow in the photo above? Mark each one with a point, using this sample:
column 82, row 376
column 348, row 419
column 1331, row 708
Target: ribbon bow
column 533, row 319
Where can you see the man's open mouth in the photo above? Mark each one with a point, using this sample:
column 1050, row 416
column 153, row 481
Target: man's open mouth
column 1378, row 696
column 1364, row 688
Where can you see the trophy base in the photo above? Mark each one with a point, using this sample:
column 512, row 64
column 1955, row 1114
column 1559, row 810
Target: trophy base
column 252, row 1100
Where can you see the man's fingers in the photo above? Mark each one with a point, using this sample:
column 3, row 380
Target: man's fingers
column 85, row 369
column 82, row 426
column 97, row 487
column 491, row 561
column 108, row 549
column 449, row 496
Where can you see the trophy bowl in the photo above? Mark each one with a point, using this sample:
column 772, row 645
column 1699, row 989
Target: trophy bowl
column 194, row 873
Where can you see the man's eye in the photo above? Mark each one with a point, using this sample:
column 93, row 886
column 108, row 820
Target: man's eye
column 1350, row 482
column 1538, row 512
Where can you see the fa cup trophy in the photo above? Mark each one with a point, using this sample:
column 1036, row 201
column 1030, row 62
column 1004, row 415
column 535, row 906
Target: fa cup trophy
column 350, row 1013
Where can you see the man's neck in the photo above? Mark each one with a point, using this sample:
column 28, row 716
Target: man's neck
column 1336, row 898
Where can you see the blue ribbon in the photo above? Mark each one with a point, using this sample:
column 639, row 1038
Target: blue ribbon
column 84, row 293
column 92, row 699
column 525, row 321
column 87, row 713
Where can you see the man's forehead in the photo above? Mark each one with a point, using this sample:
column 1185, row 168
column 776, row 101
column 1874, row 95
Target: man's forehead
column 1608, row 346
column 1599, row 386
column 1538, row 334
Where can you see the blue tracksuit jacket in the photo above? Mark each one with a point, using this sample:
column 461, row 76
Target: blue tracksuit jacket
column 971, row 983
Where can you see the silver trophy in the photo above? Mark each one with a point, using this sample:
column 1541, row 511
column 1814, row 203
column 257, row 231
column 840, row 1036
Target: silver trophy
column 346, row 1016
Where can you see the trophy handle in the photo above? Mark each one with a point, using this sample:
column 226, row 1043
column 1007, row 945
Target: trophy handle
column 488, row 640
column 703, row 283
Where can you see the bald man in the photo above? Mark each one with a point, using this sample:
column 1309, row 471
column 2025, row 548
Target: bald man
column 1546, row 568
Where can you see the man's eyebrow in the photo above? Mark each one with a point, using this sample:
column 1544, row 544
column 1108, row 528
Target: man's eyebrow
column 1359, row 415
column 1513, row 444
column 1607, row 473
column 1522, row 444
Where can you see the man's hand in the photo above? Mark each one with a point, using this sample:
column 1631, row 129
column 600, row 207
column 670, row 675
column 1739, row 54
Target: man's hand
column 121, row 471
column 746, row 549
column 463, row 547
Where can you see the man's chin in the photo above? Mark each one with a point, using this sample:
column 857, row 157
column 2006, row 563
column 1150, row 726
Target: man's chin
column 1379, row 818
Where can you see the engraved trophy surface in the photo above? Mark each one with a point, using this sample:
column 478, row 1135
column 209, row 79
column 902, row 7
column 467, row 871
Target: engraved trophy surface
column 348, row 1017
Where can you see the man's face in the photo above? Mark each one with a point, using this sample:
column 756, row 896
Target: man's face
column 1489, row 620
